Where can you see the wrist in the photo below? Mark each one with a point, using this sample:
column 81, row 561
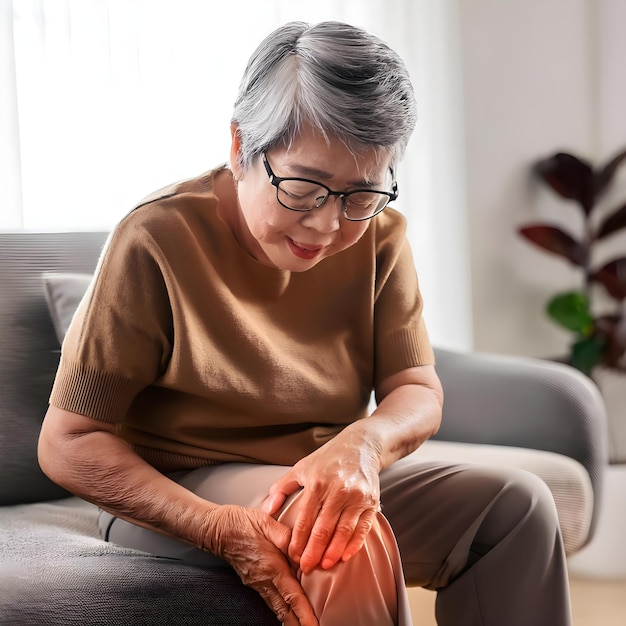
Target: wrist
column 366, row 437
column 196, row 524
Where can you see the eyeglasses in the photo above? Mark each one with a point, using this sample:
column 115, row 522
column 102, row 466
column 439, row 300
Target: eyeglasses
column 301, row 194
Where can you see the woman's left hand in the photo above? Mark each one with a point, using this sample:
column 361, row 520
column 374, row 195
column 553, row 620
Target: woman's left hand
column 341, row 495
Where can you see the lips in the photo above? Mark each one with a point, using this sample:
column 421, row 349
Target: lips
column 304, row 250
column 306, row 246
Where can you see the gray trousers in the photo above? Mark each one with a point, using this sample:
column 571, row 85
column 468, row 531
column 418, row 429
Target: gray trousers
column 486, row 539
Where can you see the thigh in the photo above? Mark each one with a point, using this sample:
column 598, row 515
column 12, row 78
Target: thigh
column 244, row 484
column 232, row 483
column 446, row 516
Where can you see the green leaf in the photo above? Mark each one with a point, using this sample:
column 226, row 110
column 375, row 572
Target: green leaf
column 571, row 310
column 587, row 353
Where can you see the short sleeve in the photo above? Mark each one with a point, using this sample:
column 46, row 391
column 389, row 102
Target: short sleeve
column 401, row 338
column 120, row 338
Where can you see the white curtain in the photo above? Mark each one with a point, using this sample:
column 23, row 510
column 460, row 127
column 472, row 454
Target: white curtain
column 103, row 101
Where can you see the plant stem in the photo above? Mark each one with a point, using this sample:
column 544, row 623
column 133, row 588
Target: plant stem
column 587, row 243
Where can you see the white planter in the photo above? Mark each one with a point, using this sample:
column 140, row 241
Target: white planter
column 605, row 556
column 612, row 384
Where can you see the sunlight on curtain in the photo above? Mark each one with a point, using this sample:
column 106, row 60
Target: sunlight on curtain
column 104, row 101
column 118, row 97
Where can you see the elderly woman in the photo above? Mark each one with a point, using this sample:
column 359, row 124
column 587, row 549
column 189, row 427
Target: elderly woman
column 212, row 396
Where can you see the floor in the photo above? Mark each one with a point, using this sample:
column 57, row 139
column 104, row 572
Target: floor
column 594, row 603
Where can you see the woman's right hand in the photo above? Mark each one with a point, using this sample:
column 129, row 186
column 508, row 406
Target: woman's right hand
column 256, row 546
column 87, row 457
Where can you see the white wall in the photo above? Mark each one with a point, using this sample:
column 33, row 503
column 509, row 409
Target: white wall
column 538, row 76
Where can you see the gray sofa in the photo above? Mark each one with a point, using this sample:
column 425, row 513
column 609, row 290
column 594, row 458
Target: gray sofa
column 55, row 570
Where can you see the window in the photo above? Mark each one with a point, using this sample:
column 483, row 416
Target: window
column 104, row 101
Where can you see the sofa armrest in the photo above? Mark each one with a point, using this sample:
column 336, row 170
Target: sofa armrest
column 527, row 403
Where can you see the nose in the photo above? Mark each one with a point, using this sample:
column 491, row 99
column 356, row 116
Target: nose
column 325, row 218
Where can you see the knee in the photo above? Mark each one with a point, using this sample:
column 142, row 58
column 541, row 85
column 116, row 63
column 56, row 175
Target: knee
column 362, row 590
column 531, row 491
column 524, row 501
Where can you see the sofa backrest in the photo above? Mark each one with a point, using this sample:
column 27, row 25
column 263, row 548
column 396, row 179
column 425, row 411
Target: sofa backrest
column 29, row 351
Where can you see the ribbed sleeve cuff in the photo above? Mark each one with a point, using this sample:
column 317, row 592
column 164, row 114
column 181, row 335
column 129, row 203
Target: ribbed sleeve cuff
column 414, row 345
column 410, row 347
column 99, row 395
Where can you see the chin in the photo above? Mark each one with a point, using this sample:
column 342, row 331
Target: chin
column 290, row 263
column 300, row 266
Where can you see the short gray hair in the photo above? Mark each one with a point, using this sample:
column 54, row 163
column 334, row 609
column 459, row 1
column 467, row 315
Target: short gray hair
column 344, row 81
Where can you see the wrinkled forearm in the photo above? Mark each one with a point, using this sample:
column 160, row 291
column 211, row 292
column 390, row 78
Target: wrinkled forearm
column 89, row 459
column 406, row 417
column 99, row 467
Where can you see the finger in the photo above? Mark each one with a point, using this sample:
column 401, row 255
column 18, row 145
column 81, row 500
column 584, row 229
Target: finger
column 319, row 538
column 278, row 493
column 278, row 534
column 278, row 606
column 273, row 502
column 293, row 595
column 364, row 526
column 282, row 591
column 345, row 529
column 303, row 525
column 290, row 620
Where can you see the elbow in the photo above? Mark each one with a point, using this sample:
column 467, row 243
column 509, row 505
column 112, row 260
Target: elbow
column 49, row 456
column 432, row 383
column 436, row 425
column 437, row 413
column 56, row 451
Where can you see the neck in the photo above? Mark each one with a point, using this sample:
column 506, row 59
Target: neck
column 229, row 211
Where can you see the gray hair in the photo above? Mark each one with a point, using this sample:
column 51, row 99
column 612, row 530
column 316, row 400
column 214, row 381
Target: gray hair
column 345, row 82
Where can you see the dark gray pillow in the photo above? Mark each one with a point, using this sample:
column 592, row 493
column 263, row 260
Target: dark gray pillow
column 64, row 291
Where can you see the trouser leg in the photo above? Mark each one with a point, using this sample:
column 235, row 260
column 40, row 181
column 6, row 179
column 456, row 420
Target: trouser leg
column 487, row 539
column 368, row 589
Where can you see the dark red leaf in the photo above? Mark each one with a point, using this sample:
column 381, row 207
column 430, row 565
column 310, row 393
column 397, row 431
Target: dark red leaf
column 556, row 241
column 604, row 176
column 613, row 277
column 612, row 223
column 570, row 177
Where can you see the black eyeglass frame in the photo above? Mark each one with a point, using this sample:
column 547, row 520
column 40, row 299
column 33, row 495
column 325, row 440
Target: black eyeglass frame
column 276, row 180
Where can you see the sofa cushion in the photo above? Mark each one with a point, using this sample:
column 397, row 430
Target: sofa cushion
column 566, row 478
column 29, row 351
column 55, row 570
column 64, row 291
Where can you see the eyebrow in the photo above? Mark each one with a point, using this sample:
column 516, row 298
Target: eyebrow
column 313, row 173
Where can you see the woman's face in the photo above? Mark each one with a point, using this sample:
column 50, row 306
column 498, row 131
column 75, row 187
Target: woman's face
column 293, row 240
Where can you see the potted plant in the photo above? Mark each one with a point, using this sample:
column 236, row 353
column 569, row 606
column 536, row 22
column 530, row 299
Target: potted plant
column 598, row 346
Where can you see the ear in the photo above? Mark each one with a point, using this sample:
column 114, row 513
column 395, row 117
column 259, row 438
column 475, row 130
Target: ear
column 235, row 147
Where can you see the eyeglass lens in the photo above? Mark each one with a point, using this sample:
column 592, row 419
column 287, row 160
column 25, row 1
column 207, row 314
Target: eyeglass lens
column 304, row 196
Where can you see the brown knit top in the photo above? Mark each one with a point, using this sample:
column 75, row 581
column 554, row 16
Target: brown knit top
column 201, row 354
